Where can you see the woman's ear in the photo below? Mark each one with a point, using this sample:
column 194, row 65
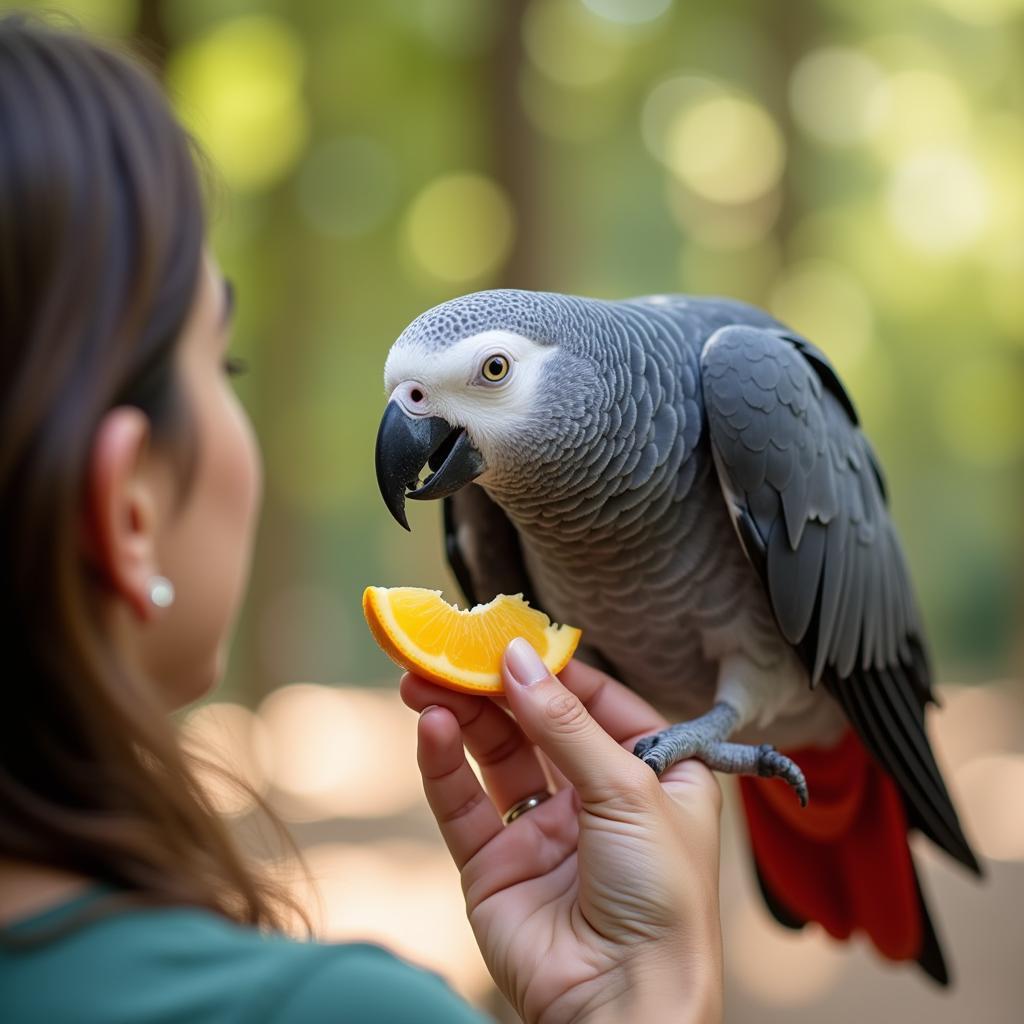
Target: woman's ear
column 121, row 509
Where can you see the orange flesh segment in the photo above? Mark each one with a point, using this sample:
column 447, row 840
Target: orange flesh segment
column 459, row 649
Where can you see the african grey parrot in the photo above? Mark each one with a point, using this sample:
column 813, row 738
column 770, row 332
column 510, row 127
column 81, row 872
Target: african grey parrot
column 685, row 480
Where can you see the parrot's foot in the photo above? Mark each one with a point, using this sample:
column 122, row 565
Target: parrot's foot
column 703, row 738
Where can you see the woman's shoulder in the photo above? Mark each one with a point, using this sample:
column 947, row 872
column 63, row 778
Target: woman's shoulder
column 186, row 964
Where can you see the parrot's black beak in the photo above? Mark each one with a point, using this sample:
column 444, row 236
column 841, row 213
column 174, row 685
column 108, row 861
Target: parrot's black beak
column 406, row 443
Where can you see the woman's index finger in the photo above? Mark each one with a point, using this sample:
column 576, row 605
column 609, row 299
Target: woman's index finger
column 617, row 709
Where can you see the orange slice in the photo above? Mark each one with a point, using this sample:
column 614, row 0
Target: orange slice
column 459, row 649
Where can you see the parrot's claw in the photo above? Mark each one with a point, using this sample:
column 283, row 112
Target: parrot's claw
column 772, row 764
column 656, row 759
column 691, row 739
column 644, row 746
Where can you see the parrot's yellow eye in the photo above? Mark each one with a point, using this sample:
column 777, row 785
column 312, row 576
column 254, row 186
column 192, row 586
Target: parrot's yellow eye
column 495, row 368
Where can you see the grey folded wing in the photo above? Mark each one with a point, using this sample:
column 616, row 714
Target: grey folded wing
column 483, row 549
column 808, row 500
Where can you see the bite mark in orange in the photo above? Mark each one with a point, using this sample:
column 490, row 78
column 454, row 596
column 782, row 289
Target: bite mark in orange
column 460, row 649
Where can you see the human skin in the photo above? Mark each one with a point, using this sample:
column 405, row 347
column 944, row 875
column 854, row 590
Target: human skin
column 145, row 520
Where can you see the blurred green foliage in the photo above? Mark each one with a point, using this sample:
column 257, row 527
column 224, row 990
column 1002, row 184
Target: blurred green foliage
column 856, row 168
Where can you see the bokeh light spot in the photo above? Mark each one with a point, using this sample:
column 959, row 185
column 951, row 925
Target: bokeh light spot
column 991, row 789
column 238, row 88
column 571, row 46
column 779, row 967
column 977, row 720
column 629, row 12
column 857, row 236
column 1000, row 153
column 938, row 200
column 460, row 228
column 726, row 149
column 402, row 894
column 917, row 109
column 982, row 12
column 834, row 93
column 664, row 105
column 327, row 743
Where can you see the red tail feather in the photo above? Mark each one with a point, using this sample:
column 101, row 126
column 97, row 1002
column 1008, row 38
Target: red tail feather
column 843, row 860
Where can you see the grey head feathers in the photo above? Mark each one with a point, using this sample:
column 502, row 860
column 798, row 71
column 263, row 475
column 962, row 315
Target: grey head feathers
column 541, row 316
column 615, row 410
column 569, row 321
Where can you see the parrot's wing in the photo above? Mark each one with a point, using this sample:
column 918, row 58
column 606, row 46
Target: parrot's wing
column 808, row 500
column 483, row 549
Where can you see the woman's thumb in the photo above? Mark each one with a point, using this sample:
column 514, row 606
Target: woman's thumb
column 556, row 720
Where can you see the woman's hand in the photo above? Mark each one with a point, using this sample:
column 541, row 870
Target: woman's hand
column 602, row 902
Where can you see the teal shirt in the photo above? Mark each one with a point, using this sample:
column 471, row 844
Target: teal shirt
column 188, row 966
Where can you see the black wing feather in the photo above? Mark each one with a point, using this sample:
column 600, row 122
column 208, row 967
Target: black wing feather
column 456, row 559
column 483, row 548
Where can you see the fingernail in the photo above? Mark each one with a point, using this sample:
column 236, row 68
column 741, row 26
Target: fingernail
column 426, row 711
column 524, row 664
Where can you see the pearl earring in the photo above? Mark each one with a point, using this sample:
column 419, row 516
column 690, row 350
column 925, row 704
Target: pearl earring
column 161, row 592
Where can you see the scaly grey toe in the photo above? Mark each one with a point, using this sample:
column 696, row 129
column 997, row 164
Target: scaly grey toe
column 764, row 760
column 677, row 742
column 686, row 739
column 691, row 739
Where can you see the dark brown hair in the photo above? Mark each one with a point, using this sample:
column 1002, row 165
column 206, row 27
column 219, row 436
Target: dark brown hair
column 101, row 235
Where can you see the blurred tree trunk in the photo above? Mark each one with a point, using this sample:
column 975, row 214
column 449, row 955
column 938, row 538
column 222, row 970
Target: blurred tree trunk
column 285, row 356
column 276, row 567
column 791, row 36
column 514, row 148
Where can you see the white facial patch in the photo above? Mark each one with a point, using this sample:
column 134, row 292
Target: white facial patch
column 450, row 382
